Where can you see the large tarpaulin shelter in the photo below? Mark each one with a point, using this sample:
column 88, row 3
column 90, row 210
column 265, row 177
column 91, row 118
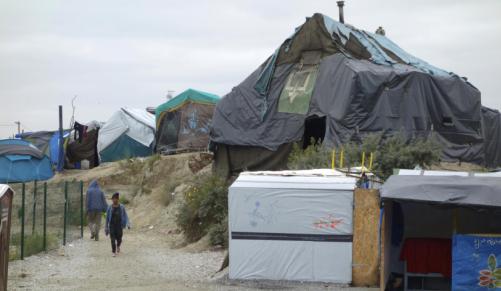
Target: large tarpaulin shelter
column 21, row 161
column 128, row 133
column 337, row 83
column 183, row 122
column 293, row 225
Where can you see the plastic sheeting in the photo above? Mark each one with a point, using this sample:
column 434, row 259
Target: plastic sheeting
column 291, row 227
column 491, row 125
column 137, row 124
column 451, row 189
column 365, row 84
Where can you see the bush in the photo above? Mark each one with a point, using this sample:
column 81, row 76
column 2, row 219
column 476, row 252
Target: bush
column 391, row 153
column 218, row 233
column 205, row 205
column 123, row 200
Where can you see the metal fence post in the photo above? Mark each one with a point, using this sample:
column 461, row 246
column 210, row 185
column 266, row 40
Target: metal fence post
column 45, row 216
column 34, row 207
column 22, row 219
column 65, row 210
column 81, row 210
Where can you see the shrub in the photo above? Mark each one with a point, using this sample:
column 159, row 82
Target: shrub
column 205, row 205
column 123, row 200
column 393, row 152
column 218, row 233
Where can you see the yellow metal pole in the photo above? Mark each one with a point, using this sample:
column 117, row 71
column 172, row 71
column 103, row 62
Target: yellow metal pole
column 333, row 161
column 341, row 158
column 370, row 161
column 363, row 161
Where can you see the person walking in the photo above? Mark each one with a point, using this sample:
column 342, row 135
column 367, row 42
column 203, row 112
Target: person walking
column 116, row 221
column 96, row 205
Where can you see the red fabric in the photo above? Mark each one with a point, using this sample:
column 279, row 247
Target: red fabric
column 428, row 255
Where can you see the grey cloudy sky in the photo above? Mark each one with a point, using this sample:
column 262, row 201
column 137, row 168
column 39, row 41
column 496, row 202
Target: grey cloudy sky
column 129, row 53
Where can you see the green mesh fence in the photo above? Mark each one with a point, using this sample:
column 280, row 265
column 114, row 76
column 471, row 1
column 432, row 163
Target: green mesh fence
column 44, row 217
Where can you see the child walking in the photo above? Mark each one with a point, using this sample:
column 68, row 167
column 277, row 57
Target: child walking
column 116, row 221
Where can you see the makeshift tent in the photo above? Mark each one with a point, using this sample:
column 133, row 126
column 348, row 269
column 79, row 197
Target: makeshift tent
column 183, row 122
column 21, row 161
column 48, row 143
column 292, row 225
column 428, row 216
column 84, row 147
column 128, row 133
column 335, row 83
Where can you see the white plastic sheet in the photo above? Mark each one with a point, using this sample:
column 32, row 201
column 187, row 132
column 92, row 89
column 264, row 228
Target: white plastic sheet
column 291, row 227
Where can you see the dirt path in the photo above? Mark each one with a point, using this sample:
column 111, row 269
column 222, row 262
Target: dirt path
column 146, row 263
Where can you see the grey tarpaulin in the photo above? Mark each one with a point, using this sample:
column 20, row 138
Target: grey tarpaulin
column 491, row 125
column 365, row 84
column 457, row 190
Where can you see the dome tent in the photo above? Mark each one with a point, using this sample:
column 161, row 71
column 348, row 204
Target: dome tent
column 21, row 161
column 128, row 133
column 183, row 122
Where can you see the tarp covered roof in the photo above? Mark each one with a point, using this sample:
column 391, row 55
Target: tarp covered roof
column 190, row 95
column 444, row 188
column 361, row 83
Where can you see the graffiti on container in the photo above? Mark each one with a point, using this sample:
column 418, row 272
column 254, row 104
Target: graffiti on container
column 329, row 221
column 262, row 214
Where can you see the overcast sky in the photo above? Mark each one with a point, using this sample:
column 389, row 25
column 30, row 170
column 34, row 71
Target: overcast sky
column 130, row 53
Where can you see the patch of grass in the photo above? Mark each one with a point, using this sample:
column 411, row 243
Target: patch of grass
column 168, row 192
column 33, row 244
column 205, row 205
column 150, row 161
column 131, row 167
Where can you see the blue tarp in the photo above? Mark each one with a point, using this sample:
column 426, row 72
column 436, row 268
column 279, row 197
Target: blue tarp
column 57, row 158
column 23, row 167
column 476, row 263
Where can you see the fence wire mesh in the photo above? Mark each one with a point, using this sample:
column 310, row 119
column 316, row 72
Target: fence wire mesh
column 44, row 213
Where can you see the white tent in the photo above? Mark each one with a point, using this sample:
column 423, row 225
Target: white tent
column 291, row 225
column 128, row 133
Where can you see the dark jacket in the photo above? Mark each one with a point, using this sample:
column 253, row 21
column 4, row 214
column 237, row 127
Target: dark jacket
column 95, row 200
column 123, row 218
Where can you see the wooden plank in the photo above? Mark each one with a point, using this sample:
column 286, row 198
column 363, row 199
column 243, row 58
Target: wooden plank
column 366, row 238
